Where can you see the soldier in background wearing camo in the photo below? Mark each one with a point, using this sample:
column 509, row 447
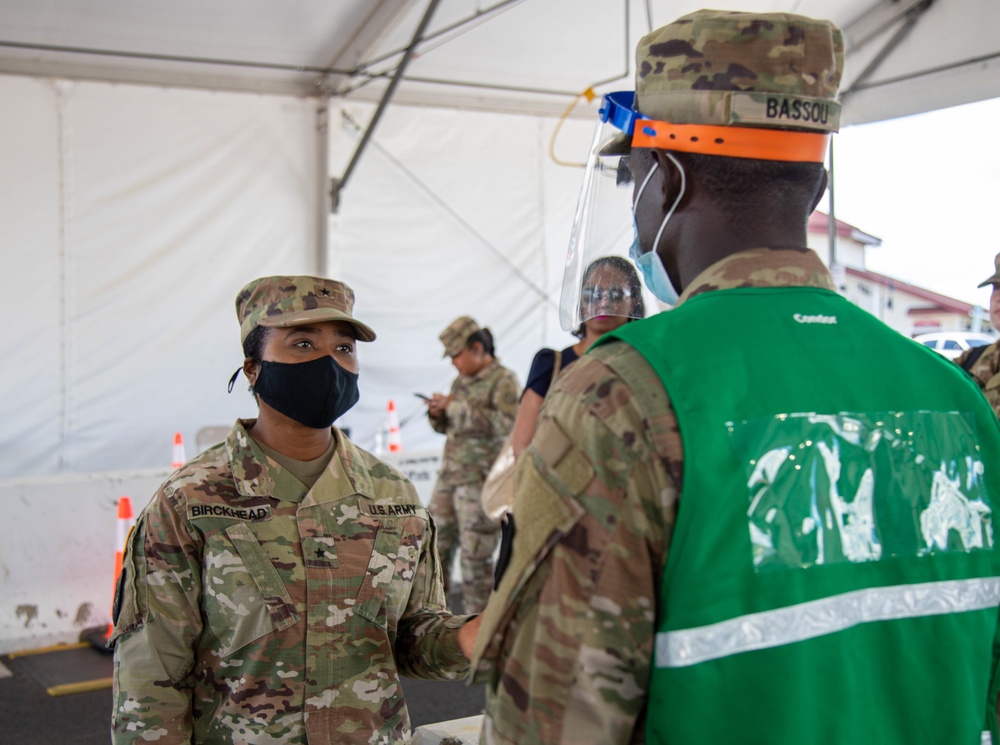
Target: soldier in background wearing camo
column 719, row 539
column 277, row 585
column 476, row 415
column 983, row 363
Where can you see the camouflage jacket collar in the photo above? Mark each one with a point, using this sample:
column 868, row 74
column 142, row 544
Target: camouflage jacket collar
column 763, row 267
column 256, row 475
column 487, row 370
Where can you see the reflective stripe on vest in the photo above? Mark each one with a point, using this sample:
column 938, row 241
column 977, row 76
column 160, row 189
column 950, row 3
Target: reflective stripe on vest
column 815, row 618
column 832, row 574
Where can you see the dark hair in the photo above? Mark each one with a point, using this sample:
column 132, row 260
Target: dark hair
column 626, row 269
column 484, row 337
column 744, row 183
column 253, row 345
column 751, row 190
column 253, row 349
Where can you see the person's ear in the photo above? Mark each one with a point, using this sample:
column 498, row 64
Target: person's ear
column 820, row 190
column 251, row 371
column 670, row 180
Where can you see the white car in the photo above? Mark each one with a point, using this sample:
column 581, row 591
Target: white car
column 953, row 343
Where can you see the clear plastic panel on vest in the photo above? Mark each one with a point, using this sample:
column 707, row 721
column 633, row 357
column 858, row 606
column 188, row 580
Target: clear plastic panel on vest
column 854, row 487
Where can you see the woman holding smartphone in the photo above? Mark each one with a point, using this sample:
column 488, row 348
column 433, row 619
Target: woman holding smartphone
column 476, row 416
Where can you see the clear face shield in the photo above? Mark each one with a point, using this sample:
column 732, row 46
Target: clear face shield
column 599, row 278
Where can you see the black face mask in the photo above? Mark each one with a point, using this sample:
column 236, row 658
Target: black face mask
column 313, row 393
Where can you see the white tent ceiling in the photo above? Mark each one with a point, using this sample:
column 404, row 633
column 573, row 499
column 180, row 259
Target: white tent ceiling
column 523, row 56
column 155, row 156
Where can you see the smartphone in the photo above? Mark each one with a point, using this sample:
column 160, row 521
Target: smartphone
column 422, row 396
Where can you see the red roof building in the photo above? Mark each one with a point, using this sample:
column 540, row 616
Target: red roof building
column 909, row 309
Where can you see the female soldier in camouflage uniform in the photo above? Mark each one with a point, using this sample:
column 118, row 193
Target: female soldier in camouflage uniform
column 279, row 583
column 477, row 415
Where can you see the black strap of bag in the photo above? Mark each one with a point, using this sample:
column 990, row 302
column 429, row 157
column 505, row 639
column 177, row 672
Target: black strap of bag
column 973, row 357
column 556, row 367
column 507, row 528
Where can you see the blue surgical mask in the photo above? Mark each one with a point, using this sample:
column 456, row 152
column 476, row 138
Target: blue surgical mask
column 653, row 272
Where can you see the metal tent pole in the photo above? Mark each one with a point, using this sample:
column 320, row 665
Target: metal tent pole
column 337, row 185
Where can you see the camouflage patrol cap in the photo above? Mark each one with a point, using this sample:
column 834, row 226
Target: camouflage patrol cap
column 457, row 334
column 295, row 301
column 995, row 279
column 724, row 68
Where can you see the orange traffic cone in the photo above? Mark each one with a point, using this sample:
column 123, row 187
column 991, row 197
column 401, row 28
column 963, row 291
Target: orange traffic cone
column 125, row 522
column 395, row 441
column 179, row 457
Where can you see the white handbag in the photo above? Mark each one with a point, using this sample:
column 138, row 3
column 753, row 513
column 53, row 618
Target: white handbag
column 498, row 489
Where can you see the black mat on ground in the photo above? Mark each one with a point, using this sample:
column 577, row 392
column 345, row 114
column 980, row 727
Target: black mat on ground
column 29, row 716
column 65, row 666
column 431, row 701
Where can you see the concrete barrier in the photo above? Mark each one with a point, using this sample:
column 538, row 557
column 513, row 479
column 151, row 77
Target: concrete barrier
column 57, row 546
column 57, row 552
column 419, row 466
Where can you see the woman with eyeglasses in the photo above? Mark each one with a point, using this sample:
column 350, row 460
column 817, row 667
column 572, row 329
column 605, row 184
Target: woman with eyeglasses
column 611, row 286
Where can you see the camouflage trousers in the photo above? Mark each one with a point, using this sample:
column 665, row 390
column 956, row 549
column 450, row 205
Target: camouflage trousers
column 458, row 514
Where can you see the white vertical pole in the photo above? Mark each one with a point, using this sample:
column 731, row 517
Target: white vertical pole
column 323, row 186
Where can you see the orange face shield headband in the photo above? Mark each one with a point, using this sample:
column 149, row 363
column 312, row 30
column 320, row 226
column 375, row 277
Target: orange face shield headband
column 732, row 142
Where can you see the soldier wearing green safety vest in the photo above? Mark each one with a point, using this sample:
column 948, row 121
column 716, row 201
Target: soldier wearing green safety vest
column 761, row 516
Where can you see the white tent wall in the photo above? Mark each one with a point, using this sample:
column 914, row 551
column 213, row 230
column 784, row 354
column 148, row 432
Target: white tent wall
column 129, row 219
column 450, row 213
column 30, row 279
column 138, row 212
column 130, row 216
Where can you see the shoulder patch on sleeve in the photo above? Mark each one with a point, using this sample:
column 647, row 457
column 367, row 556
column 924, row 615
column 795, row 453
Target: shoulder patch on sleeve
column 129, row 606
column 557, row 451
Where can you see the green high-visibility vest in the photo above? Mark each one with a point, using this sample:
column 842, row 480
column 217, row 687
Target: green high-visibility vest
column 832, row 576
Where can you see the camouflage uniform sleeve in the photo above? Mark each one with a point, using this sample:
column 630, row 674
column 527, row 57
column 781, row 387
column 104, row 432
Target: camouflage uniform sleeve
column 427, row 634
column 986, row 372
column 960, row 360
column 439, row 423
column 503, row 404
column 157, row 627
column 567, row 639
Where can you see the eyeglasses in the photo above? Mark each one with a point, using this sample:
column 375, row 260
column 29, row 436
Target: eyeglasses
column 619, row 171
column 609, row 294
